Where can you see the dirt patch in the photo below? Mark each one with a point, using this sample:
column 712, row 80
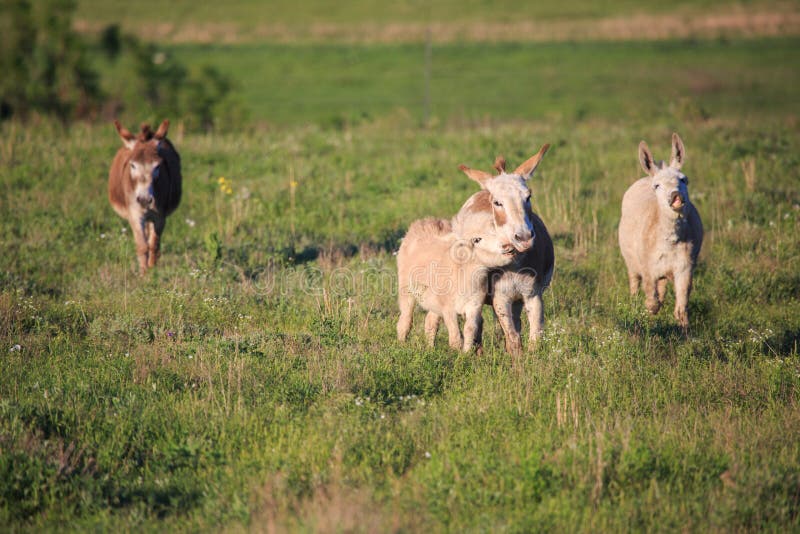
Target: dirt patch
column 733, row 24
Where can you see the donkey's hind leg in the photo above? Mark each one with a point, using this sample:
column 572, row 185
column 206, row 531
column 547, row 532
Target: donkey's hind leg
column 405, row 302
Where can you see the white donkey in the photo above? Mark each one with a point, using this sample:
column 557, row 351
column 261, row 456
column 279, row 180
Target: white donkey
column 660, row 232
column 507, row 198
column 447, row 274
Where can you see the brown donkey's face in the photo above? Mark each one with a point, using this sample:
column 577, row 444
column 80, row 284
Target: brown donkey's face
column 144, row 164
column 510, row 199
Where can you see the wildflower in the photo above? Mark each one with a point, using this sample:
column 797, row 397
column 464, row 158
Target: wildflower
column 15, row 348
column 427, row 454
column 225, row 185
column 190, row 222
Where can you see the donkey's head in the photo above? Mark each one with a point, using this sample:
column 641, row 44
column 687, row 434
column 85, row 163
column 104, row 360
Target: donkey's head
column 479, row 240
column 670, row 185
column 145, row 162
column 510, row 199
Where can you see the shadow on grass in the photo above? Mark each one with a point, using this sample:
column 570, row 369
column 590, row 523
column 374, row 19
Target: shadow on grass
column 405, row 374
column 160, row 501
column 389, row 242
column 782, row 343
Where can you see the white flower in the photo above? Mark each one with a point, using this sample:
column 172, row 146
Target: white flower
column 190, row 222
column 15, row 348
column 427, row 454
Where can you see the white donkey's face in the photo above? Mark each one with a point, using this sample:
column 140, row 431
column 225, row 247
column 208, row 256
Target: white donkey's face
column 670, row 185
column 479, row 241
column 510, row 199
column 511, row 205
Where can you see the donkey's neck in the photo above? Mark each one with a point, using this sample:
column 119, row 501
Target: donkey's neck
column 674, row 226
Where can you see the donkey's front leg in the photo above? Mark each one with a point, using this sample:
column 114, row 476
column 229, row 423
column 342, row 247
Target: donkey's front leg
column 503, row 308
column 534, row 306
column 472, row 326
column 683, row 286
column 140, row 239
column 453, row 332
column 154, row 230
column 431, row 327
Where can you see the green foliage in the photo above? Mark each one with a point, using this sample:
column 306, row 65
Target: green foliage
column 49, row 69
column 44, row 62
column 165, row 87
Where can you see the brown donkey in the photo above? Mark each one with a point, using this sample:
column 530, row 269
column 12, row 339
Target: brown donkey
column 144, row 186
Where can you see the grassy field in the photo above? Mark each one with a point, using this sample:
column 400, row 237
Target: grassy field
column 470, row 84
column 253, row 381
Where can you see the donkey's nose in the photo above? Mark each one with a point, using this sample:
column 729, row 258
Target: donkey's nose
column 522, row 236
column 144, row 200
column 523, row 241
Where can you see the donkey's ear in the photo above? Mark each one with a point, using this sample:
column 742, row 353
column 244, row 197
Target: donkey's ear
column 526, row 169
column 678, row 152
column 161, row 133
column 128, row 139
column 646, row 159
column 500, row 164
column 479, row 176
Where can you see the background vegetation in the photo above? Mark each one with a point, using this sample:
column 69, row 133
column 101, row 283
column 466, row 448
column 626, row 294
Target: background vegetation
column 252, row 381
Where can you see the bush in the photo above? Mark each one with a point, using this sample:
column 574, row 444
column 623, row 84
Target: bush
column 47, row 70
column 44, row 63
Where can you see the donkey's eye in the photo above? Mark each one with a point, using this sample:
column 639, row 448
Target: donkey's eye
column 656, row 186
column 498, row 203
column 134, row 166
column 476, row 240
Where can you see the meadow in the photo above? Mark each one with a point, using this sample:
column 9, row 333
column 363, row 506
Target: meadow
column 253, row 380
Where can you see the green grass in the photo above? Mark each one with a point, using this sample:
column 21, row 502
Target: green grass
column 252, row 381
column 475, row 84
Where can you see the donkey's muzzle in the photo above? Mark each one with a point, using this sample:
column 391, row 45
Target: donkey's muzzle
column 523, row 244
column 676, row 201
column 145, row 201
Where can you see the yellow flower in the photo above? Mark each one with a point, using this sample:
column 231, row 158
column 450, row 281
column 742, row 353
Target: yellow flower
column 225, row 185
